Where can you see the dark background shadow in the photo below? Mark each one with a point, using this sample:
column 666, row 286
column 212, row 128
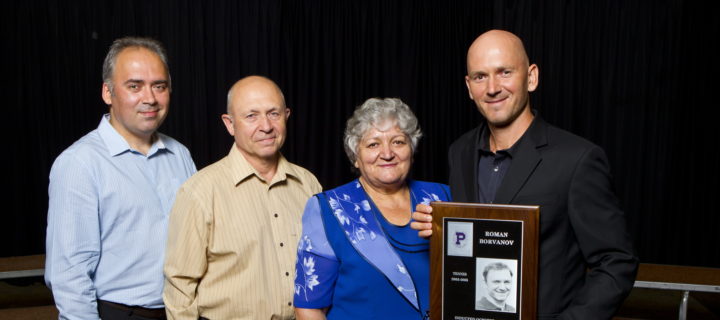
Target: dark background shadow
column 635, row 77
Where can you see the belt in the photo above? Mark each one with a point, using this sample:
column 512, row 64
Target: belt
column 137, row 310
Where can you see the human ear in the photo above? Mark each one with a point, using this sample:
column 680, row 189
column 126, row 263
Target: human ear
column 533, row 77
column 467, row 84
column 228, row 121
column 106, row 94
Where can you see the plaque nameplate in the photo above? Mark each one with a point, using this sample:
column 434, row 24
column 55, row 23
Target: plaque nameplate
column 483, row 261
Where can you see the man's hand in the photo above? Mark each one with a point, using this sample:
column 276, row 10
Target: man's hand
column 422, row 220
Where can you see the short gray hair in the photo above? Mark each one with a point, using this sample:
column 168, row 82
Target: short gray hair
column 121, row 44
column 375, row 112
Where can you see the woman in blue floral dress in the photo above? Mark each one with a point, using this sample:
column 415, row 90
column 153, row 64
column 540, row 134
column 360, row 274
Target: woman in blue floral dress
column 358, row 258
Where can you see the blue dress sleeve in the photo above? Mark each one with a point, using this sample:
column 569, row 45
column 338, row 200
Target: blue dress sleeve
column 316, row 268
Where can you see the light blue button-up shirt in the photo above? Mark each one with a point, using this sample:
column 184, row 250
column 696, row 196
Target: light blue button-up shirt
column 107, row 220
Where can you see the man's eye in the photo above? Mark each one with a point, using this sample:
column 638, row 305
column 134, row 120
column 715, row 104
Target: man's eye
column 160, row 87
column 274, row 115
column 372, row 145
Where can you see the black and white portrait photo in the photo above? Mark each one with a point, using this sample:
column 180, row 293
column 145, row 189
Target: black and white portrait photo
column 495, row 287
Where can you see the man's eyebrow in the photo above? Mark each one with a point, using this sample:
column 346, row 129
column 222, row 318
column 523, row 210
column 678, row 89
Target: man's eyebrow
column 134, row 81
column 143, row 81
column 273, row 108
column 504, row 67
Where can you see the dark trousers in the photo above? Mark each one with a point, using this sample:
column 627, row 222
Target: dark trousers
column 116, row 311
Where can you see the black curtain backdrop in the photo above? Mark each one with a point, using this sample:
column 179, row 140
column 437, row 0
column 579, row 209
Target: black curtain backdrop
column 635, row 77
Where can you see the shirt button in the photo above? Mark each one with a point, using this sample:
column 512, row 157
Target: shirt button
column 289, row 303
column 287, row 274
column 281, row 244
column 276, row 215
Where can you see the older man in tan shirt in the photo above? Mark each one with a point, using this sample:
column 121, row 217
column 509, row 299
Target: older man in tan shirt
column 235, row 225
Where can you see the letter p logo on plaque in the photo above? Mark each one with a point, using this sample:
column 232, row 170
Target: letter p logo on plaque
column 460, row 235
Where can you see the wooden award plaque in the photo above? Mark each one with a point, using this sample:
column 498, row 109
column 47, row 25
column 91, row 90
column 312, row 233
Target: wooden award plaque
column 483, row 261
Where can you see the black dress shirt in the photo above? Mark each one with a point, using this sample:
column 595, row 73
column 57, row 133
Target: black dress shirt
column 491, row 167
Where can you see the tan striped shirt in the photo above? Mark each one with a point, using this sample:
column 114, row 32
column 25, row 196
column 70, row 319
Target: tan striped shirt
column 232, row 241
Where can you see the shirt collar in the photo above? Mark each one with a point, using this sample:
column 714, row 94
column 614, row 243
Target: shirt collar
column 483, row 139
column 483, row 142
column 116, row 144
column 242, row 170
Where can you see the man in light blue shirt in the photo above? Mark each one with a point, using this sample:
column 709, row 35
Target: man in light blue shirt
column 111, row 192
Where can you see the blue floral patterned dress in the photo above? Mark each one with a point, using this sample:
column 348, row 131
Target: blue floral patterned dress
column 356, row 263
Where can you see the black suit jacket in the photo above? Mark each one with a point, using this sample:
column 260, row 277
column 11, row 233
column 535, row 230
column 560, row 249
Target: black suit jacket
column 581, row 224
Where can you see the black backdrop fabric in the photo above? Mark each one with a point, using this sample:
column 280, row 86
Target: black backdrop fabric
column 635, row 77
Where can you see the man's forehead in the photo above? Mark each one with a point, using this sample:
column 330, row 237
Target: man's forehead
column 257, row 105
column 499, row 272
column 496, row 57
column 257, row 99
column 261, row 108
column 134, row 55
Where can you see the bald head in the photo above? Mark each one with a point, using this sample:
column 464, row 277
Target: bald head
column 498, row 42
column 253, row 85
column 257, row 118
column 499, row 80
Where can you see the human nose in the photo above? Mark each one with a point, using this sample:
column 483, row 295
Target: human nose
column 149, row 96
column 493, row 86
column 386, row 152
column 265, row 124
